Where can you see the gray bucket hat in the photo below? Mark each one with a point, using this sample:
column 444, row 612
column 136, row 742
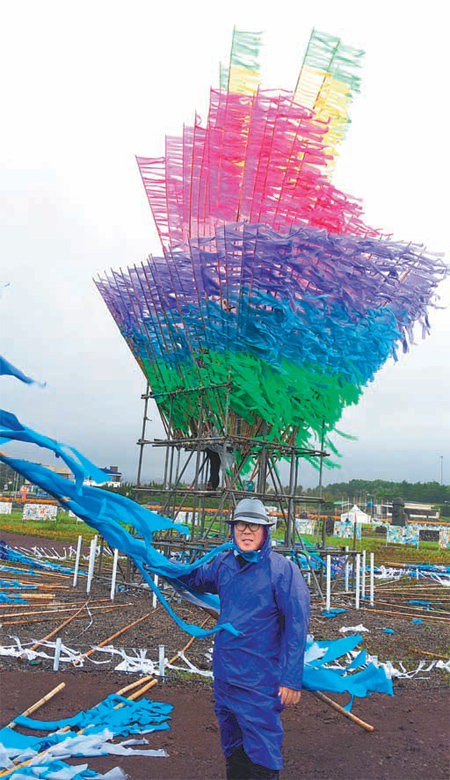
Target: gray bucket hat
column 251, row 510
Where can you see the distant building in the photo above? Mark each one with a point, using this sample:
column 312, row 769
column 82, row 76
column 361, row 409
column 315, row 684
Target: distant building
column 115, row 476
column 413, row 510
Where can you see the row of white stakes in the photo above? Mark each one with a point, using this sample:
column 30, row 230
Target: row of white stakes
column 360, row 575
column 58, row 646
column 90, row 574
column 360, row 564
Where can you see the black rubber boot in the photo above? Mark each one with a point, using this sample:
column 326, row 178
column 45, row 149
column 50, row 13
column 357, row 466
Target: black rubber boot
column 238, row 765
column 260, row 772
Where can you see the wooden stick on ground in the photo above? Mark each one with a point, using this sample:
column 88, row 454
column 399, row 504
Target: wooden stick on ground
column 41, row 596
column 438, row 618
column 56, row 609
column 418, row 609
column 135, row 684
column 61, row 604
column 39, row 584
column 100, row 611
column 331, row 703
column 38, row 704
column 113, row 636
column 426, row 652
column 36, row 612
column 32, row 588
column 17, row 570
column 57, row 629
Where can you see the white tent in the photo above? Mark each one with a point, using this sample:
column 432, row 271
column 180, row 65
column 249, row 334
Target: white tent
column 355, row 515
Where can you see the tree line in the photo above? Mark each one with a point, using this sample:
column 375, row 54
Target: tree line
column 377, row 491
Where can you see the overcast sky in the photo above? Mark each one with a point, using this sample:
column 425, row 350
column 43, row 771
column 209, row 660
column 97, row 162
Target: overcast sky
column 88, row 85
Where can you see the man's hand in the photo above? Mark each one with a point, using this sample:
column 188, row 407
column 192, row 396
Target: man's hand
column 289, row 695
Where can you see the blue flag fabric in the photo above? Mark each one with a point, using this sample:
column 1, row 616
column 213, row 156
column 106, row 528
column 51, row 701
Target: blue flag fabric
column 120, row 715
column 7, row 369
column 109, row 513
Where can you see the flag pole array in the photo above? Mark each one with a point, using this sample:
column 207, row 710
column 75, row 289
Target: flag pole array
column 269, row 278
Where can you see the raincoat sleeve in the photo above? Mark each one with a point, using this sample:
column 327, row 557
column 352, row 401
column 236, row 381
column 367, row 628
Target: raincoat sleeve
column 293, row 601
column 203, row 579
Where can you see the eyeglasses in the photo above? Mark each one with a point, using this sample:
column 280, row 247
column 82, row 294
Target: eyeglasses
column 241, row 525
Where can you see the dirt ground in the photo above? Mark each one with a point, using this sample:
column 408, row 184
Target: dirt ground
column 410, row 739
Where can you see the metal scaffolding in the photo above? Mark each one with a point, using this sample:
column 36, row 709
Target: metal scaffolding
column 249, row 467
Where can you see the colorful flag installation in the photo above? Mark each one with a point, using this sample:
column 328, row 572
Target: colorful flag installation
column 269, row 278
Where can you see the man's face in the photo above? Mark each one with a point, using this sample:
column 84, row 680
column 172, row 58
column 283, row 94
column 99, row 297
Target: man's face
column 248, row 536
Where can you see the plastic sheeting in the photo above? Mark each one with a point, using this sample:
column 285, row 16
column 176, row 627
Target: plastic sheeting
column 317, row 677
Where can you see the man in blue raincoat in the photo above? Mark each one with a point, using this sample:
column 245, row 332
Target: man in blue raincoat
column 259, row 672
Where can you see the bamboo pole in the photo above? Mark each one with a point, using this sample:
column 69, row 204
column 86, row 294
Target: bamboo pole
column 372, row 578
column 427, row 652
column 134, row 684
column 58, row 628
column 58, row 611
column 113, row 636
column 411, row 596
column 42, row 596
column 412, row 584
column 34, row 613
column 100, row 611
column 357, row 578
column 418, row 609
column 38, row 704
column 23, row 587
column 35, row 605
column 45, row 572
column 417, row 591
column 444, row 621
column 331, row 703
column 413, row 588
column 399, row 565
column 61, row 605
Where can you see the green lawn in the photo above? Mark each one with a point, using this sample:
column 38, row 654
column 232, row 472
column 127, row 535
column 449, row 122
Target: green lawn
column 63, row 529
